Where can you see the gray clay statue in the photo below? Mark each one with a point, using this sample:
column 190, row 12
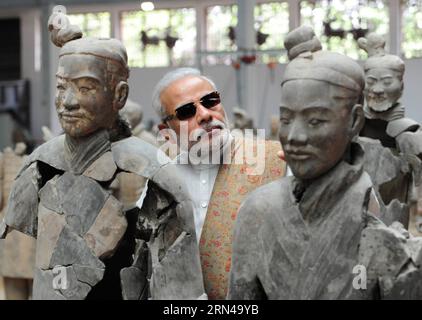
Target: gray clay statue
column 392, row 142
column 302, row 237
column 90, row 244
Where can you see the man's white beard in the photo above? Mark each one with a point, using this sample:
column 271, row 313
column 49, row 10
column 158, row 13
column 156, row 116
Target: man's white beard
column 215, row 144
column 211, row 148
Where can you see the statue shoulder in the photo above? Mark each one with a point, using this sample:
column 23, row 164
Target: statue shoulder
column 397, row 127
column 50, row 152
column 137, row 156
column 268, row 199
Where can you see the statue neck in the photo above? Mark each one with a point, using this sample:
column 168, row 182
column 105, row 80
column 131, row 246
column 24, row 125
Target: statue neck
column 316, row 197
column 80, row 153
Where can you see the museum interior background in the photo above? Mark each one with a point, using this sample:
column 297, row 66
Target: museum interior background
column 237, row 43
column 245, row 62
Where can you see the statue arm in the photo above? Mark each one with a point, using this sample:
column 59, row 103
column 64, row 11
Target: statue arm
column 392, row 257
column 22, row 208
column 166, row 264
column 135, row 278
column 410, row 142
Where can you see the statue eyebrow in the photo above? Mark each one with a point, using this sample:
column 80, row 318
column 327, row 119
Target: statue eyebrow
column 316, row 108
column 86, row 78
column 383, row 77
column 90, row 78
column 285, row 109
column 309, row 109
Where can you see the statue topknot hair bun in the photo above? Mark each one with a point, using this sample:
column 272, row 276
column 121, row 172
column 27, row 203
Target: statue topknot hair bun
column 301, row 40
column 61, row 30
column 374, row 45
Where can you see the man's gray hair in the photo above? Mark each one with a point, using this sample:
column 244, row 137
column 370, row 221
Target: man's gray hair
column 167, row 80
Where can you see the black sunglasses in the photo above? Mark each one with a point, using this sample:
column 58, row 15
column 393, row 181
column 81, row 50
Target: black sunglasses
column 188, row 110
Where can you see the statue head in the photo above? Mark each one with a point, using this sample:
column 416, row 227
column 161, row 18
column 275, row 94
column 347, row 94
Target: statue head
column 91, row 80
column 132, row 113
column 383, row 74
column 321, row 109
column 241, row 119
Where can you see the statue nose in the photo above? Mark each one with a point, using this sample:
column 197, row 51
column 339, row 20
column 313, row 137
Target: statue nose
column 297, row 134
column 70, row 101
column 378, row 89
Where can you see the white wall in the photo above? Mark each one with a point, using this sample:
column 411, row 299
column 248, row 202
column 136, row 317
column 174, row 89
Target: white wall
column 412, row 96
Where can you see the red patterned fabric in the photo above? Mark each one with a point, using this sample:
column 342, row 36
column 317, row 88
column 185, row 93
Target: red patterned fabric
column 232, row 185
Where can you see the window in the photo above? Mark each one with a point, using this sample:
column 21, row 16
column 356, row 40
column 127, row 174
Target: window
column 412, row 29
column 159, row 38
column 92, row 24
column 338, row 23
column 272, row 19
column 271, row 24
column 220, row 19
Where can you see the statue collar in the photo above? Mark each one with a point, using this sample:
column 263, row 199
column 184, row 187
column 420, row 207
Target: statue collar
column 394, row 113
column 317, row 197
column 81, row 153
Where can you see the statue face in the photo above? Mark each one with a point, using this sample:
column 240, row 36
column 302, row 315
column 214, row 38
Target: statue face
column 239, row 121
column 242, row 122
column 315, row 126
column 84, row 99
column 383, row 88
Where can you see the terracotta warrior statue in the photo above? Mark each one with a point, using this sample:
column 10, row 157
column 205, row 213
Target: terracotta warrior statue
column 392, row 142
column 128, row 187
column 304, row 236
column 241, row 119
column 133, row 113
column 90, row 244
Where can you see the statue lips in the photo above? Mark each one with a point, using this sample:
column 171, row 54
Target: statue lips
column 379, row 102
column 70, row 116
column 377, row 98
column 297, row 154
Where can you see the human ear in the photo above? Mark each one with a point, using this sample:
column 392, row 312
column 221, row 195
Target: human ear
column 121, row 93
column 163, row 127
column 358, row 120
